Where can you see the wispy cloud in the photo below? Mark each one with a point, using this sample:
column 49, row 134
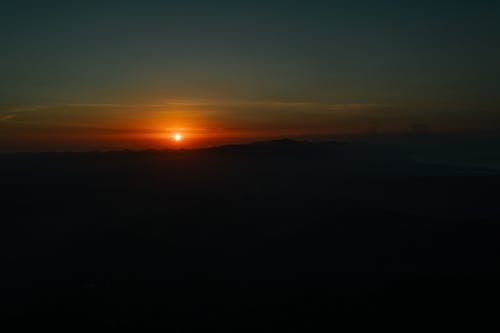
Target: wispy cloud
column 6, row 117
column 202, row 104
column 26, row 108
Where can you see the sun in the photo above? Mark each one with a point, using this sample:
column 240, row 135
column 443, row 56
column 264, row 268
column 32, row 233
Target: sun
column 177, row 137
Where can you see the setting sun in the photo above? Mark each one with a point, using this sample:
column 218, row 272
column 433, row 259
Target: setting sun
column 177, row 137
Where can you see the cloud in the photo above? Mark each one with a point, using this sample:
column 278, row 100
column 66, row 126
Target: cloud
column 213, row 113
column 204, row 104
column 27, row 108
column 5, row 117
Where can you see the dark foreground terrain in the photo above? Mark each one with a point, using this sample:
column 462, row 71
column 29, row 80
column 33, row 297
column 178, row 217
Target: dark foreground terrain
column 278, row 236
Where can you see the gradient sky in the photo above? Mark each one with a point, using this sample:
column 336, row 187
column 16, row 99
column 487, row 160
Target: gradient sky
column 127, row 74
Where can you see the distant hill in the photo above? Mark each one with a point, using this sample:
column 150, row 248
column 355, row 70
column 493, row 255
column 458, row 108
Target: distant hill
column 303, row 234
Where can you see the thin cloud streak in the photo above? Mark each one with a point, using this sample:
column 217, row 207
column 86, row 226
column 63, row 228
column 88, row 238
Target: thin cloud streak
column 189, row 103
column 6, row 117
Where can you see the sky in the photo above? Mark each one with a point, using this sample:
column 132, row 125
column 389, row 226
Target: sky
column 83, row 75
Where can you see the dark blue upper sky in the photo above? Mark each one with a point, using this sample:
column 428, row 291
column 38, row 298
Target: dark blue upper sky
column 411, row 53
column 345, row 51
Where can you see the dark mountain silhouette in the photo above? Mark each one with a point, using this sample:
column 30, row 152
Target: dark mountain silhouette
column 293, row 148
column 278, row 236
